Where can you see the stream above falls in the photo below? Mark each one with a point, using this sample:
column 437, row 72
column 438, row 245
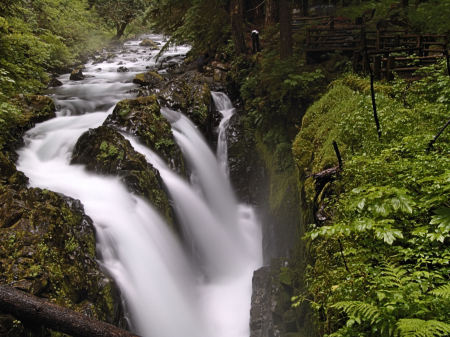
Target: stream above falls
column 197, row 284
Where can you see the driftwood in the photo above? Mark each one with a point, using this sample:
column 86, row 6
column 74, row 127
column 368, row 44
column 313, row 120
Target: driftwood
column 35, row 310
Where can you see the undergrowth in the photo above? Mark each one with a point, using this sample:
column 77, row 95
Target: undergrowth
column 381, row 256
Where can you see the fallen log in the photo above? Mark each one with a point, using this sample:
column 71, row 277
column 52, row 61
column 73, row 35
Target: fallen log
column 35, row 310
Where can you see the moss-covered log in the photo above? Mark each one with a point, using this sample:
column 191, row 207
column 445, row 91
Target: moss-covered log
column 34, row 310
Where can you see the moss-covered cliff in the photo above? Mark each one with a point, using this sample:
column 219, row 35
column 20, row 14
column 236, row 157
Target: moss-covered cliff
column 379, row 242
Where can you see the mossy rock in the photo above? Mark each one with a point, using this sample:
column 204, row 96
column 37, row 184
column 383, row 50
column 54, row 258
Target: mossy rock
column 47, row 248
column 36, row 109
column 149, row 43
column 190, row 94
column 77, row 74
column 150, row 79
column 142, row 118
column 104, row 150
column 9, row 174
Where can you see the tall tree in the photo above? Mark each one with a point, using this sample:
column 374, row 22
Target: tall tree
column 271, row 10
column 237, row 23
column 285, row 29
column 119, row 13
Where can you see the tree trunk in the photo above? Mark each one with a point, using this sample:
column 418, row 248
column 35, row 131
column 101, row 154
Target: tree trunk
column 285, row 29
column 37, row 311
column 271, row 13
column 120, row 29
column 237, row 21
column 305, row 7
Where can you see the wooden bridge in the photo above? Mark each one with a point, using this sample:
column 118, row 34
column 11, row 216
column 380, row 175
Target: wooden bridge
column 385, row 51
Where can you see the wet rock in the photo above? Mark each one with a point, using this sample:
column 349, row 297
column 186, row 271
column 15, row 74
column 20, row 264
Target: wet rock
column 54, row 82
column 149, row 43
column 104, row 150
column 247, row 173
column 271, row 312
column 47, row 248
column 150, row 79
column 261, row 320
column 122, row 69
column 142, row 118
column 77, row 75
column 189, row 94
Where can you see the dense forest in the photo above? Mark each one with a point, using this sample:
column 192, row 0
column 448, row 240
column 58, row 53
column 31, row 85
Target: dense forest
column 358, row 162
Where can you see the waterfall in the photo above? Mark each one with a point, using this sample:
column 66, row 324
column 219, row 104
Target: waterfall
column 226, row 109
column 198, row 287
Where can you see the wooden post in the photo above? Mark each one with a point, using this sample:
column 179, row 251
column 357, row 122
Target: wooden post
column 419, row 45
column 389, row 67
column 377, row 43
column 446, row 55
column 374, row 106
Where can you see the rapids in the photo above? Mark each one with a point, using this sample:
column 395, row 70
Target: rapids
column 198, row 285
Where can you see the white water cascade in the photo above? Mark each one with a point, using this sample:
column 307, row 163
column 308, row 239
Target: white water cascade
column 197, row 288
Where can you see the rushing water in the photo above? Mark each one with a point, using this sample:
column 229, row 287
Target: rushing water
column 200, row 286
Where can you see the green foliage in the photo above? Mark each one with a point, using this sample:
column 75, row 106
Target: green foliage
column 10, row 115
column 40, row 36
column 277, row 90
column 202, row 23
column 119, row 13
column 421, row 328
column 381, row 259
column 426, row 16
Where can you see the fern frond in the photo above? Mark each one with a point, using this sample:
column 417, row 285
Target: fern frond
column 442, row 291
column 360, row 311
column 395, row 275
column 413, row 327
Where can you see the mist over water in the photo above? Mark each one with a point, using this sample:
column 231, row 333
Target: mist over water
column 198, row 285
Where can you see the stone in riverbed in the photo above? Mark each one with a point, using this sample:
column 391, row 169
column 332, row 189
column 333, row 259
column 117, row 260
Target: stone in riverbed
column 77, row 74
column 149, row 43
column 54, row 82
column 150, row 79
column 122, row 69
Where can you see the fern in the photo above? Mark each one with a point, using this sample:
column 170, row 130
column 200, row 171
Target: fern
column 442, row 218
column 359, row 311
column 442, row 291
column 394, row 275
column 413, row 327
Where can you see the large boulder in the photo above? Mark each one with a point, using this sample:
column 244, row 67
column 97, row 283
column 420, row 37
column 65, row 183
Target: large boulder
column 149, row 43
column 104, row 150
column 190, row 94
column 151, row 79
column 142, row 118
column 47, row 248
